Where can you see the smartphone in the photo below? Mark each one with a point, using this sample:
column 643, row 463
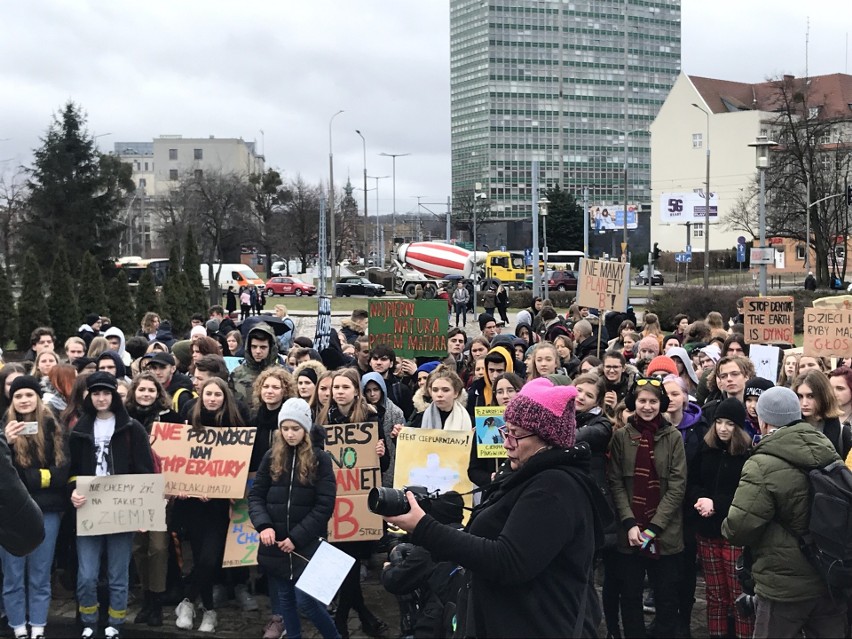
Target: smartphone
column 30, row 428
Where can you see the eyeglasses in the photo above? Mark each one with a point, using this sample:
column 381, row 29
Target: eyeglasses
column 509, row 437
column 645, row 381
column 613, row 368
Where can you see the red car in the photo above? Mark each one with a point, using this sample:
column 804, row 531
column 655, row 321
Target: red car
column 289, row 286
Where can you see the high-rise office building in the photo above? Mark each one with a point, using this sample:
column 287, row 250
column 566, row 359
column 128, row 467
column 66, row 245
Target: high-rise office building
column 544, row 80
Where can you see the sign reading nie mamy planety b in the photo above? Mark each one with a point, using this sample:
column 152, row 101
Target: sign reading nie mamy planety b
column 603, row 284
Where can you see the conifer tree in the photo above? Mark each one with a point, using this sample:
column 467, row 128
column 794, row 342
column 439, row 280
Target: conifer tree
column 91, row 298
column 196, row 296
column 62, row 302
column 32, row 305
column 174, row 293
column 7, row 304
column 146, row 296
column 120, row 303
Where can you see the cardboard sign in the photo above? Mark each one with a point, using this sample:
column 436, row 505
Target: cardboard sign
column 436, row 459
column 352, row 448
column 412, row 328
column 243, row 540
column 603, row 284
column 210, row 462
column 768, row 320
column 828, row 332
column 765, row 360
column 489, row 441
column 121, row 503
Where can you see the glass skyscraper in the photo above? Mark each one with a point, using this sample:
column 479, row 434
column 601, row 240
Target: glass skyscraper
column 545, row 80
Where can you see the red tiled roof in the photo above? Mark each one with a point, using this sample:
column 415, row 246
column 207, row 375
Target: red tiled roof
column 831, row 93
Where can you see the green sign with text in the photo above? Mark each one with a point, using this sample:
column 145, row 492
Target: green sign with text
column 412, row 328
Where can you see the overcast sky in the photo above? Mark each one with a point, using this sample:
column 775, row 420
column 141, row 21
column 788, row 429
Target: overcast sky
column 232, row 69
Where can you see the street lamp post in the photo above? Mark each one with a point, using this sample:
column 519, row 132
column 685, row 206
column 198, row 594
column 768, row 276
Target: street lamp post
column 331, row 203
column 761, row 147
column 393, row 214
column 380, row 249
column 543, row 203
column 366, row 217
column 477, row 196
column 706, row 203
column 626, row 133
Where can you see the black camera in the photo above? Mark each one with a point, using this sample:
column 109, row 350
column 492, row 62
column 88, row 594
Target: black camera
column 391, row 502
column 746, row 602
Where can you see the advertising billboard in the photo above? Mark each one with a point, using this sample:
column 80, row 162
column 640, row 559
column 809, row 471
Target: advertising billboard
column 611, row 218
column 680, row 208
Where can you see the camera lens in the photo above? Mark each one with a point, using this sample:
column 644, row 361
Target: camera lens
column 387, row 502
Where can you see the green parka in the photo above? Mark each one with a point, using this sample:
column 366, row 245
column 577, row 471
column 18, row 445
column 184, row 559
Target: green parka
column 670, row 460
column 242, row 379
column 771, row 509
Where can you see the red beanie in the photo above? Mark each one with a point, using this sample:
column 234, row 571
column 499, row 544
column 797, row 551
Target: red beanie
column 661, row 364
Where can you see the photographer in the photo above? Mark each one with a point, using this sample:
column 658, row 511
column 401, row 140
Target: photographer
column 529, row 546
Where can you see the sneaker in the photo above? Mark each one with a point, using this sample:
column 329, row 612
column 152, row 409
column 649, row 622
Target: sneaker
column 185, row 613
column 208, row 621
column 246, row 600
column 649, row 606
column 111, row 632
column 220, row 595
column 88, row 632
column 274, row 628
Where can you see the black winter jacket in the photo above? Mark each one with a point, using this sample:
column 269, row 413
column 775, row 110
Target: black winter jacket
column 715, row 474
column 529, row 550
column 53, row 497
column 596, row 431
column 21, row 520
column 266, row 422
column 297, row 511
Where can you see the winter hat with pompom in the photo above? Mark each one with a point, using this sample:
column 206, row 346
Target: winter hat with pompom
column 546, row 410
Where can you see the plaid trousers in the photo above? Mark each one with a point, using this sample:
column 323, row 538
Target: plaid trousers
column 718, row 560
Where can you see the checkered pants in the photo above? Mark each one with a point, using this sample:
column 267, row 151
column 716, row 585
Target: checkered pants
column 718, row 560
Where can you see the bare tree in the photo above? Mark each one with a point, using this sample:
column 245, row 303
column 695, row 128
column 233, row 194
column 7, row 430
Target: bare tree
column 269, row 195
column 13, row 201
column 467, row 207
column 301, row 215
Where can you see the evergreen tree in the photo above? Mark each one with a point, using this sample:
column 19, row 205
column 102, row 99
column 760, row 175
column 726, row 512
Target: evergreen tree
column 196, row 296
column 146, row 296
column 7, row 303
column 92, row 298
column 564, row 221
column 62, row 301
column 32, row 305
column 174, row 293
column 120, row 304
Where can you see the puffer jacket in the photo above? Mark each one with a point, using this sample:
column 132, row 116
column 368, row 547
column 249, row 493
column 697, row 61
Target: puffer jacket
column 771, row 509
column 670, row 461
column 295, row 510
column 242, row 379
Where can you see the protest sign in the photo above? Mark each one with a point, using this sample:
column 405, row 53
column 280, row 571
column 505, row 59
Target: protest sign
column 232, row 363
column 489, row 441
column 768, row 320
column 436, row 459
column 352, row 448
column 206, row 462
column 242, row 540
column 603, row 284
column 325, row 572
column 121, row 503
column 765, row 360
column 323, row 332
column 412, row 328
column 828, row 332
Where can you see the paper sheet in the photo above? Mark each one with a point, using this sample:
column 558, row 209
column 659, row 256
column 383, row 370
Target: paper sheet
column 325, row 572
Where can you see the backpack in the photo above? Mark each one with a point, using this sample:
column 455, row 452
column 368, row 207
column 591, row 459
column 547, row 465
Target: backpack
column 176, row 398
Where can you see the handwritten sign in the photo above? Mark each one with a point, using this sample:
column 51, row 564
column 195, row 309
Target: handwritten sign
column 768, row 320
column 603, row 284
column 828, row 332
column 436, row 459
column 206, row 462
column 489, row 441
column 412, row 328
column 352, row 448
column 121, row 503
column 242, row 541
column 325, row 573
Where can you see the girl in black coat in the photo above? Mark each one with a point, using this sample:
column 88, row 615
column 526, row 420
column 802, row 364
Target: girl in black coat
column 290, row 505
column 271, row 389
column 348, row 406
column 41, row 460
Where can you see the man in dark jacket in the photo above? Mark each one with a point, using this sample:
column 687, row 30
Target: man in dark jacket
column 261, row 352
column 164, row 367
column 383, row 361
column 810, row 282
column 769, row 515
column 22, row 527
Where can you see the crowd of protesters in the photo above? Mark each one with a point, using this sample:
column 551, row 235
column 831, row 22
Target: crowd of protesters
column 637, row 457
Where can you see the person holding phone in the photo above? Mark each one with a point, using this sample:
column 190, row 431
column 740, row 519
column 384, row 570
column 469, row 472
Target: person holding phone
column 39, row 454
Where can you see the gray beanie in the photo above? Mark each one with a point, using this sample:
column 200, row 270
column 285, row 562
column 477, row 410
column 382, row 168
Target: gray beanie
column 296, row 409
column 779, row 406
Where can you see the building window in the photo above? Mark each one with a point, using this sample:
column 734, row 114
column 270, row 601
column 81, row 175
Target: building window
column 697, row 140
column 173, row 154
column 199, row 174
column 198, row 154
column 800, row 252
column 173, row 174
column 146, row 166
column 697, row 229
column 143, row 183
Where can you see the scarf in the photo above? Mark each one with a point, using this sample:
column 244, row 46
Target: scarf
column 646, row 483
column 457, row 419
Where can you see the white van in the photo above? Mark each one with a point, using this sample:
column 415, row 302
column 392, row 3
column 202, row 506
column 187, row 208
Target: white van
column 236, row 275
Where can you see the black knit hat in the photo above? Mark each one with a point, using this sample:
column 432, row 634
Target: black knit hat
column 25, row 381
column 732, row 409
column 484, row 319
column 755, row 387
column 310, row 373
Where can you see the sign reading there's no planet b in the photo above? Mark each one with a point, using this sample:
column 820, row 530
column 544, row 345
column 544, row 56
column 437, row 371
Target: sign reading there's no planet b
column 121, row 503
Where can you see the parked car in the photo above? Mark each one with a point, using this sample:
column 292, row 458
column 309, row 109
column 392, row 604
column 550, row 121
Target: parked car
column 354, row 285
column 642, row 277
column 557, row 280
column 289, row 286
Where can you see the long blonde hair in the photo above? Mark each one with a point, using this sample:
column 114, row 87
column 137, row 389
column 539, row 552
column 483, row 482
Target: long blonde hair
column 360, row 411
column 282, row 456
column 30, row 449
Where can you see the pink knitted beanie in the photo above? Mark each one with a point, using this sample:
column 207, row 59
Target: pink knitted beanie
column 546, row 410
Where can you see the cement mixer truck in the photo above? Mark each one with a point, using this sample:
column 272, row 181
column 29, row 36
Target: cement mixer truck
column 430, row 264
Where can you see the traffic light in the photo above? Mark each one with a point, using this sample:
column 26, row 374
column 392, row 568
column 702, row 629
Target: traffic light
column 656, row 252
column 849, row 195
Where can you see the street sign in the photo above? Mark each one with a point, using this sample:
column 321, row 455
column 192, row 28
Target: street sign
column 527, row 257
column 689, row 248
column 762, row 256
column 741, row 239
column 683, row 258
column 741, row 253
